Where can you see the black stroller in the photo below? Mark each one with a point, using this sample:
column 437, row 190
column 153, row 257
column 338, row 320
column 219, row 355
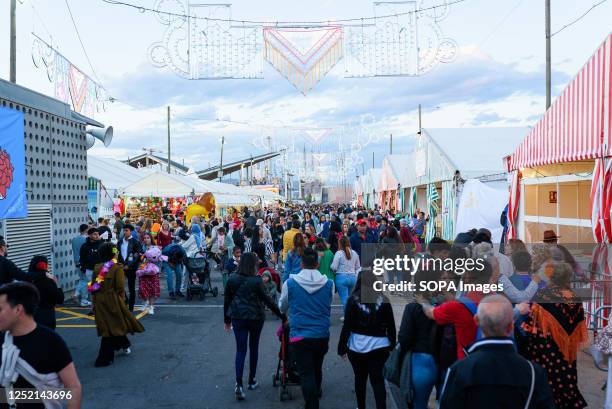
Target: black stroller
column 198, row 278
column 286, row 371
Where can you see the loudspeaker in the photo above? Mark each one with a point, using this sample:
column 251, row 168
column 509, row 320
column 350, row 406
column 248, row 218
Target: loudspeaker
column 104, row 135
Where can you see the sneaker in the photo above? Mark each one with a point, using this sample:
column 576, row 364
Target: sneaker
column 239, row 392
column 180, row 294
column 85, row 303
column 145, row 306
column 342, row 319
column 253, row 385
column 125, row 351
column 151, row 310
column 172, row 296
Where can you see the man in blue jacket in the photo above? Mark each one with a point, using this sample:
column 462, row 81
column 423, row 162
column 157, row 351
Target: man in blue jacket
column 362, row 236
column 308, row 297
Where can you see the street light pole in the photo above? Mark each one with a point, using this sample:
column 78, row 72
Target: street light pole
column 13, row 41
column 169, row 155
column 221, row 162
column 548, row 52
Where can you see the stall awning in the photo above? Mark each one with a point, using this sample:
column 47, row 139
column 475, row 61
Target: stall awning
column 577, row 125
column 394, row 171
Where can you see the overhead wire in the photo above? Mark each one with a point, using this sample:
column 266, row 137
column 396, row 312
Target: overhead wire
column 82, row 45
column 583, row 15
column 143, row 9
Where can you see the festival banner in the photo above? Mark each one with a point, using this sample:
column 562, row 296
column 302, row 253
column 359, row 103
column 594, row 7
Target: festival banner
column 303, row 55
column 13, row 197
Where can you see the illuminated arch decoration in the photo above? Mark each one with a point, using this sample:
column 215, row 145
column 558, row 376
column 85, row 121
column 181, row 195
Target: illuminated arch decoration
column 202, row 41
column 71, row 85
column 303, row 55
column 411, row 43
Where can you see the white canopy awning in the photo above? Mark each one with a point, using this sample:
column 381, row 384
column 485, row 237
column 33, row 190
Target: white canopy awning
column 161, row 184
column 112, row 173
column 394, row 172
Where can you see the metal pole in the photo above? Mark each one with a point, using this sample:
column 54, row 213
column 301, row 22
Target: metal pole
column 169, row 155
column 221, row 163
column 13, row 41
column 391, row 145
column 548, row 59
column 420, row 126
column 372, row 160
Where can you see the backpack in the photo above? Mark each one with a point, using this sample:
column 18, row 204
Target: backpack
column 473, row 308
column 445, row 338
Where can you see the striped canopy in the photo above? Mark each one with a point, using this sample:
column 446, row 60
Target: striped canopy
column 577, row 125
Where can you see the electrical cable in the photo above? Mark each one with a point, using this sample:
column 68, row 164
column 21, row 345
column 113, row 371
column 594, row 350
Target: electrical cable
column 143, row 9
column 82, row 45
column 571, row 23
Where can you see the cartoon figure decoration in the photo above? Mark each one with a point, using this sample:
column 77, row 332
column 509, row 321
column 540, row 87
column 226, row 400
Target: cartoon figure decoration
column 150, row 266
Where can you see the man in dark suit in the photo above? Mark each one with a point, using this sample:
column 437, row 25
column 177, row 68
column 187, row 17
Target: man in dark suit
column 129, row 251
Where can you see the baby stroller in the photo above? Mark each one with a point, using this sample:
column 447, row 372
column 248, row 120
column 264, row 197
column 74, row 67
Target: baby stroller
column 286, row 371
column 275, row 276
column 198, row 281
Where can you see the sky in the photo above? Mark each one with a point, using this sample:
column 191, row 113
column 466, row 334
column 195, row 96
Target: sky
column 496, row 79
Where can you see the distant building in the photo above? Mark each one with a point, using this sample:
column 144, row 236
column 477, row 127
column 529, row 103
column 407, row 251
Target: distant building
column 337, row 194
column 152, row 161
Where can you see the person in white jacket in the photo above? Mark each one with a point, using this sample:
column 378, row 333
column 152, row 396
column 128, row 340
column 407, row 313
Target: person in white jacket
column 346, row 265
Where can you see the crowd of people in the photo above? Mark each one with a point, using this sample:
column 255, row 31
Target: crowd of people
column 292, row 261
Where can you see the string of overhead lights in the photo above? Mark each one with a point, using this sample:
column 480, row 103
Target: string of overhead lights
column 143, row 9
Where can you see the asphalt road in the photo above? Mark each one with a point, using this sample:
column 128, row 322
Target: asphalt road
column 185, row 359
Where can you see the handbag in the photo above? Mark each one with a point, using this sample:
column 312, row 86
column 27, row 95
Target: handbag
column 392, row 371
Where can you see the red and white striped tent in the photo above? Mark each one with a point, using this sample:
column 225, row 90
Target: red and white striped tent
column 577, row 127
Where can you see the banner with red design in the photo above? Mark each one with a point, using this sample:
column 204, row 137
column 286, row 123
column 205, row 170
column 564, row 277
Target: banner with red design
column 13, row 197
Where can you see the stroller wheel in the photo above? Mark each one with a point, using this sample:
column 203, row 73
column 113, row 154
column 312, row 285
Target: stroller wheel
column 275, row 380
column 215, row 292
column 202, row 294
column 284, row 394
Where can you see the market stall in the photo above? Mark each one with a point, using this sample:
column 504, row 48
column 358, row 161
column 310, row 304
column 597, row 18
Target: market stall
column 562, row 171
column 370, row 188
column 164, row 185
column 394, row 170
column 105, row 177
column 443, row 159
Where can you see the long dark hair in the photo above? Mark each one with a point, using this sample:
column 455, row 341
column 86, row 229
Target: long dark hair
column 257, row 246
column 248, row 264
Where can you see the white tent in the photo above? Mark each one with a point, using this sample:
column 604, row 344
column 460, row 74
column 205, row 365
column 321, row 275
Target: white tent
column 113, row 174
column 370, row 187
column 394, row 171
column 161, row 184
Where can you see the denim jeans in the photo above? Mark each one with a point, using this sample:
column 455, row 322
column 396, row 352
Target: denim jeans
column 81, row 288
column 344, row 285
column 247, row 333
column 174, row 276
column 424, row 377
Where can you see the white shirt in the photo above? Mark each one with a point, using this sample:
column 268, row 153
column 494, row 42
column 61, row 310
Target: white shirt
column 124, row 248
column 366, row 343
column 342, row 265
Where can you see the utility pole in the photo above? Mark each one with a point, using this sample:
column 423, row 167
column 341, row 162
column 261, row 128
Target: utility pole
column 13, row 41
column 372, row 160
column 548, row 62
column 169, row 156
column 420, row 123
column 391, row 145
column 220, row 174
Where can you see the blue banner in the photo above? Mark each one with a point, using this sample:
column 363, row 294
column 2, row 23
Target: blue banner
column 13, row 196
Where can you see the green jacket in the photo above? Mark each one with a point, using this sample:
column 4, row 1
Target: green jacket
column 325, row 264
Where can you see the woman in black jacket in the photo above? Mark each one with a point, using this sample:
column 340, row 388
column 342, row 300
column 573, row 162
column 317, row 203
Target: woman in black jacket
column 243, row 310
column 417, row 335
column 50, row 294
column 367, row 337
